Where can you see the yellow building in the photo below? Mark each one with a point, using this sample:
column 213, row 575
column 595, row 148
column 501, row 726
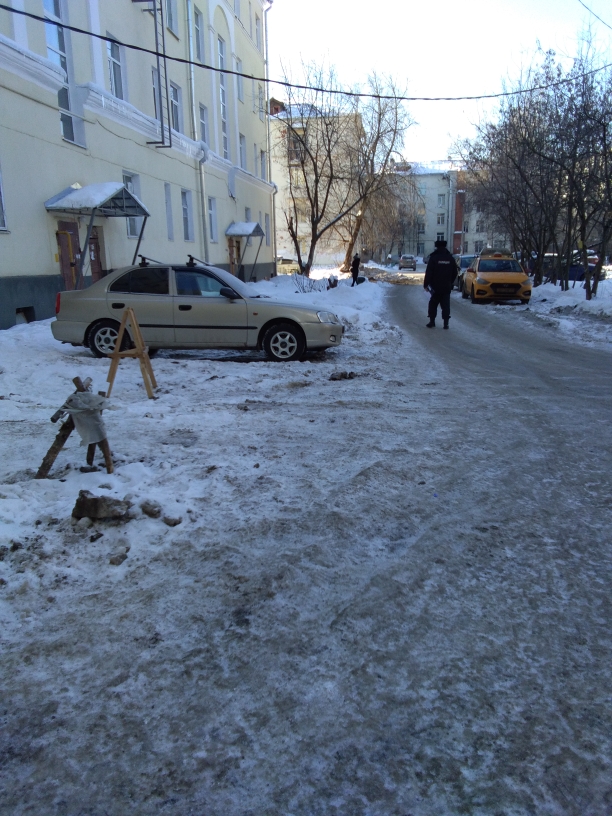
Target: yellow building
column 188, row 144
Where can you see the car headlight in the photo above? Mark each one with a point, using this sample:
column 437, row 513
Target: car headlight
column 525, row 282
column 327, row 317
column 482, row 280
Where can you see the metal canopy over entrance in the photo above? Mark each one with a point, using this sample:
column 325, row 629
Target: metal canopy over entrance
column 110, row 199
column 244, row 229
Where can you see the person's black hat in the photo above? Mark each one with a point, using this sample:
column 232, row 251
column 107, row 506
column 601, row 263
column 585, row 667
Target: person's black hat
column 440, row 244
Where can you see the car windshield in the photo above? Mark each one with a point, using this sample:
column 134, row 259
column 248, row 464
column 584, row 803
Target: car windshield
column 504, row 265
column 466, row 261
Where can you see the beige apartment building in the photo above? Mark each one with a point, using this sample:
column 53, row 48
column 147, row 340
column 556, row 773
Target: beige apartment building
column 106, row 150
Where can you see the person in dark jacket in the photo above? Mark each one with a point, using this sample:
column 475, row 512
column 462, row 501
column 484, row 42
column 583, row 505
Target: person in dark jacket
column 439, row 279
column 355, row 269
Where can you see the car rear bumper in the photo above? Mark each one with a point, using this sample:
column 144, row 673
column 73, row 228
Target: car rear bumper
column 69, row 331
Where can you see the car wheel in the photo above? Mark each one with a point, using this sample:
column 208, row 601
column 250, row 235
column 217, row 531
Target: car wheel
column 473, row 296
column 103, row 337
column 283, row 343
column 464, row 293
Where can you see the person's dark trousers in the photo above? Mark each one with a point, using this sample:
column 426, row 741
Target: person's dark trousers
column 354, row 280
column 441, row 299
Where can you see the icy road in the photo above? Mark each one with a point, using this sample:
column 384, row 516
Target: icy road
column 387, row 595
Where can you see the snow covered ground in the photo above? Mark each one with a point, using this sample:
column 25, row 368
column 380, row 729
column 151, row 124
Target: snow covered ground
column 294, row 634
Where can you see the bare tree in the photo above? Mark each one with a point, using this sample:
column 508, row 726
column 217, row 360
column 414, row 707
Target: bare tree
column 336, row 150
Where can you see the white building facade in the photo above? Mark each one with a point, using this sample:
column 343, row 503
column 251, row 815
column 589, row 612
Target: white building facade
column 79, row 110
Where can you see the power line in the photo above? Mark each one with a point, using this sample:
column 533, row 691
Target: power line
column 595, row 15
column 284, row 84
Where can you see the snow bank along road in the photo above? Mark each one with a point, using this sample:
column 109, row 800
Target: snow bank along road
column 388, row 595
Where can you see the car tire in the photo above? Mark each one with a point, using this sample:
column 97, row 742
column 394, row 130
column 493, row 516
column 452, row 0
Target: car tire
column 464, row 294
column 473, row 296
column 103, row 336
column 283, row 343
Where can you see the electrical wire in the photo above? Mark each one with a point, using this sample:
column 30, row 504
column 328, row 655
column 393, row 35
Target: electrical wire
column 285, row 84
column 595, row 15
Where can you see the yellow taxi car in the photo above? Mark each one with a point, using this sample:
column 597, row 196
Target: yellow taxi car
column 496, row 275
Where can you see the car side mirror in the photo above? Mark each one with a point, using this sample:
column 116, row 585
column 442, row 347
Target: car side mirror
column 225, row 291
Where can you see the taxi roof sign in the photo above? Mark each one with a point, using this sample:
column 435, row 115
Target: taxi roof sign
column 495, row 253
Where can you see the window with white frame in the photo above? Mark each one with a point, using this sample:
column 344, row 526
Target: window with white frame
column 243, row 151
column 115, row 69
column 420, row 248
column 212, row 219
column 253, row 95
column 247, row 218
column 171, row 16
column 440, row 236
column 156, row 97
column 175, row 108
column 465, row 247
column 420, row 228
column 441, row 199
column 132, row 184
column 267, row 228
column 260, row 101
column 223, row 99
column 204, row 123
column 198, row 30
column 169, row 221
column 258, row 32
column 2, row 209
column 262, row 163
column 57, row 53
column 466, row 226
column 478, row 246
column 239, row 81
column 187, row 214
column 440, row 219
column 255, row 158
column 480, row 226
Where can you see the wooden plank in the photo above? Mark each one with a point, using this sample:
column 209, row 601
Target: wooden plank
column 60, row 440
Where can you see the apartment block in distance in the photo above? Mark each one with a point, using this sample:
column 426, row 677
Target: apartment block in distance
column 107, row 152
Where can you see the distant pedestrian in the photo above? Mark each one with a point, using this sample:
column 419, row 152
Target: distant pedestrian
column 355, row 269
column 439, row 279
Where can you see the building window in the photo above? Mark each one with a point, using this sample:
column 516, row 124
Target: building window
column 440, row 219
column 223, row 100
column 247, row 218
column 420, row 248
column 478, row 247
column 204, row 123
column 239, row 82
column 114, row 69
column 260, row 101
column 262, row 163
column 212, row 219
column 187, row 215
column 480, row 226
column 132, row 184
column 420, row 229
column 175, row 107
column 198, row 25
column 251, row 20
column 57, row 53
column 2, row 210
column 156, row 100
column 171, row 17
column 440, row 236
column 243, row 159
column 267, row 229
column 258, row 32
column 466, row 226
column 465, row 247
column 169, row 221
column 441, row 199
column 237, row 8
column 255, row 158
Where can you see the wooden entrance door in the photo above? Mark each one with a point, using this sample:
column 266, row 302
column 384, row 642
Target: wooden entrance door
column 95, row 258
column 69, row 252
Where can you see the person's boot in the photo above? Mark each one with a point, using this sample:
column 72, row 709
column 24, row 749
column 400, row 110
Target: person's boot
column 431, row 324
column 446, row 324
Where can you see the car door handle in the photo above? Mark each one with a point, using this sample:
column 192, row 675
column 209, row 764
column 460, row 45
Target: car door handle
column 184, row 308
column 118, row 305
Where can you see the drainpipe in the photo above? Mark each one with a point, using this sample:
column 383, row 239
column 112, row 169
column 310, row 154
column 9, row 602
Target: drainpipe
column 200, row 181
column 269, row 141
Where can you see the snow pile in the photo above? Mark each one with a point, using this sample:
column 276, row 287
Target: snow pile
column 550, row 299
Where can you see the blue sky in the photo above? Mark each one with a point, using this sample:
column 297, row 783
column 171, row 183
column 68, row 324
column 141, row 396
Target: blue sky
column 434, row 49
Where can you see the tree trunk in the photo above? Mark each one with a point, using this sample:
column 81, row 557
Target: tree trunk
column 353, row 239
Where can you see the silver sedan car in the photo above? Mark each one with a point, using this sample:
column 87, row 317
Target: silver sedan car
column 190, row 307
